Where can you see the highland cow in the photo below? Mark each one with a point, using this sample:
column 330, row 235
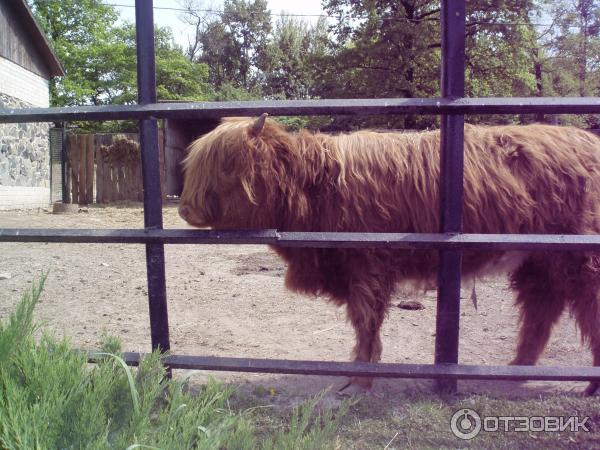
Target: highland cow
column 252, row 174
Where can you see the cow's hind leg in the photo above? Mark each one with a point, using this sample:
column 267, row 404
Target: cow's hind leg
column 585, row 305
column 541, row 299
column 366, row 308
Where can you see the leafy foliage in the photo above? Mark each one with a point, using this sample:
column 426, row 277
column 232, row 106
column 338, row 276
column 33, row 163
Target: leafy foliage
column 389, row 48
column 99, row 57
column 572, row 51
column 365, row 49
column 292, row 58
column 176, row 77
column 80, row 32
column 49, row 398
column 233, row 45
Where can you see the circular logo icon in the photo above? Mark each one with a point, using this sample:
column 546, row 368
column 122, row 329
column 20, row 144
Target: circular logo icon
column 465, row 424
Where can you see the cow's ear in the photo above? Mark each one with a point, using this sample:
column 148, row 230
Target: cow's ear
column 259, row 124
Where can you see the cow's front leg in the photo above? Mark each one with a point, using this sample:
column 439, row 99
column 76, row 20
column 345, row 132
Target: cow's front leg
column 366, row 310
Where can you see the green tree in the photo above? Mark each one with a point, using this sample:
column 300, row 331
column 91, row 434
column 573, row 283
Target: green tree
column 232, row 44
column 177, row 78
column 382, row 48
column 499, row 43
column 80, row 32
column 249, row 24
column 219, row 52
column 99, row 57
column 292, row 56
column 390, row 48
column 577, row 43
column 570, row 49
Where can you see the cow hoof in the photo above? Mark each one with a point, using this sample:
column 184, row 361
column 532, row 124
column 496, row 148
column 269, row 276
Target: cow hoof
column 591, row 389
column 351, row 389
column 521, row 362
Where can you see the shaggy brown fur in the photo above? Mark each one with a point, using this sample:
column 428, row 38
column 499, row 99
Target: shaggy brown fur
column 517, row 179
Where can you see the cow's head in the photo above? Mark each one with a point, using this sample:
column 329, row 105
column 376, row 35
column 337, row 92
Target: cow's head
column 227, row 174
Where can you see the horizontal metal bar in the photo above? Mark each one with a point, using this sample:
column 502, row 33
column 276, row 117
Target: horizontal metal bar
column 387, row 370
column 137, row 236
column 211, row 110
column 407, row 241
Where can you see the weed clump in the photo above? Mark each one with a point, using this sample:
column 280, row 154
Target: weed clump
column 50, row 397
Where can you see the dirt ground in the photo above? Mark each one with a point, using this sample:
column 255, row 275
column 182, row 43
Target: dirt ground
column 229, row 300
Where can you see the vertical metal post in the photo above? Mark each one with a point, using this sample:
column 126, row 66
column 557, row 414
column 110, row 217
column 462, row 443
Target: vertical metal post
column 155, row 254
column 451, row 188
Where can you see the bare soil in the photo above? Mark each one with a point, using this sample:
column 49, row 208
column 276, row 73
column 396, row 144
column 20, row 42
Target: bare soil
column 229, row 300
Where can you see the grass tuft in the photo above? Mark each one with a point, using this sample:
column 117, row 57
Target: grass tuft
column 51, row 398
column 307, row 429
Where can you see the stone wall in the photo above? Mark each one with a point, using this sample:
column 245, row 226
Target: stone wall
column 24, row 159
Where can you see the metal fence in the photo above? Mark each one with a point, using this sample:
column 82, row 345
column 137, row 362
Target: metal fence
column 449, row 242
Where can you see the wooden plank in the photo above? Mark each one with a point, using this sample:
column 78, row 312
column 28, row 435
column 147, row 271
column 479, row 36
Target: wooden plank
column 77, row 155
column 89, row 176
column 99, row 173
column 122, row 181
column 105, row 180
column 114, row 182
column 175, row 141
column 83, row 167
column 16, row 42
column 82, row 144
column 89, row 187
column 134, row 180
column 69, row 167
column 124, row 171
column 139, row 181
column 118, row 187
column 74, row 154
column 67, row 181
column 161, row 162
column 131, row 194
column 108, row 183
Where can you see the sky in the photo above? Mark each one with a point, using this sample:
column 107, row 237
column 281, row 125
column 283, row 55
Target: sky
column 181, row 31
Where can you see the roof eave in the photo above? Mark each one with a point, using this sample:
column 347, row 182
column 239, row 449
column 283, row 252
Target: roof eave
column 55, row 68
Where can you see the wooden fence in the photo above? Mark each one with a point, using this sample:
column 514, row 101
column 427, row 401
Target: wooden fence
column 119, row 172
column 99, row 172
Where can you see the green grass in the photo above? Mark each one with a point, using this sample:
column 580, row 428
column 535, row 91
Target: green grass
column 421, row 420
column 50, row 398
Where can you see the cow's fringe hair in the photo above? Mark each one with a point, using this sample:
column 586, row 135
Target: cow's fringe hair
column 517, row 179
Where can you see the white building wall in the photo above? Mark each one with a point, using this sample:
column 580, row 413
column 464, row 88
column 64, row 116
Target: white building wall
column 23, row 84
column 24, row 148
column 23, row 197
